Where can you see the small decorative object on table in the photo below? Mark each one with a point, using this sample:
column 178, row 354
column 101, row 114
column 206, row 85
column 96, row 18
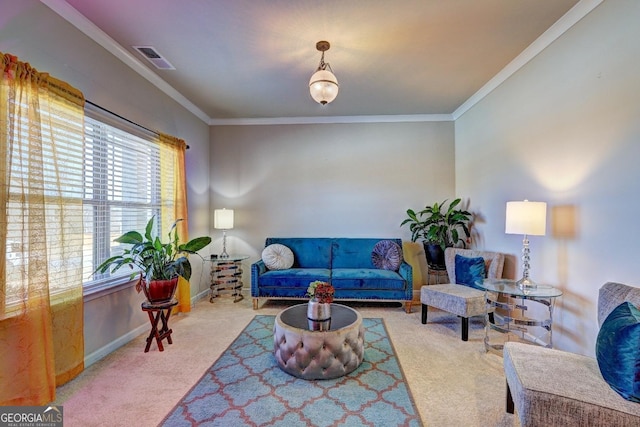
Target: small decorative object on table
column 319, row 308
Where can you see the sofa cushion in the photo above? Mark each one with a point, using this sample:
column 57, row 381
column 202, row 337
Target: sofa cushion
column 365, row 278
column 294, row 278
column 618, row 351
column 277, row 257
column 469, row 270
column 307, row 252
column 460, row 300
column 387, row 255
column 354, row 253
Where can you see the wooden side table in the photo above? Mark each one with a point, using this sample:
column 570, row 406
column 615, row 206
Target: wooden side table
column 159, row 312
column 226, row 275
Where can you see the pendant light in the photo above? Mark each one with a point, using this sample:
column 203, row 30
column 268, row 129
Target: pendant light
column 323, row 84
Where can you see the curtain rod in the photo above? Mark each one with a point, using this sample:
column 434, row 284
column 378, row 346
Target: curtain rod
column 123, row 118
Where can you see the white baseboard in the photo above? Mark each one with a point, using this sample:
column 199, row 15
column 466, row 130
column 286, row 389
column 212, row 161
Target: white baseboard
column 114, row 345
column 199, row 296
column 205, row 294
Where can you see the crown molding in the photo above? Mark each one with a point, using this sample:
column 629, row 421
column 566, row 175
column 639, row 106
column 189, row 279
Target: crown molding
column 568, row 20
column 332, row 119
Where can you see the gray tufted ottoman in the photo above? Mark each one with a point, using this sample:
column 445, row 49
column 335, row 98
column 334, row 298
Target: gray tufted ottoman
column 315, row 355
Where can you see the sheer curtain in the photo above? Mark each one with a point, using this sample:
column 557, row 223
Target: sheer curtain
column 174, row 201
column 41, row 166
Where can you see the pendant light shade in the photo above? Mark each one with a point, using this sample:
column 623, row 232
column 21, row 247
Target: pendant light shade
column 323, row 84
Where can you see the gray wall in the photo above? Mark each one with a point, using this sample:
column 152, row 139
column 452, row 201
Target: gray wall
column 34, row 33
column 335, row 180
column 565, row 130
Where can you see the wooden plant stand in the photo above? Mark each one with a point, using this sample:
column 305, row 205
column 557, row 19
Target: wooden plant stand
column 159, row 312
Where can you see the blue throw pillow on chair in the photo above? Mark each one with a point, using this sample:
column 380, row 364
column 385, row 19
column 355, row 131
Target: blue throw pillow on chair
column 618, row 351
column 469, row 270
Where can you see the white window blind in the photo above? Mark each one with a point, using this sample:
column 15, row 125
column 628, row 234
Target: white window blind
column 122, row 191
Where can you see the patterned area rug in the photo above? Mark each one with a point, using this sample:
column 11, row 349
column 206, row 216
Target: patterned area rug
column 245, row 387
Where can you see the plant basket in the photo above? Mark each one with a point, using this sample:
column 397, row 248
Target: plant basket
column 159, row 291
column 435, row 256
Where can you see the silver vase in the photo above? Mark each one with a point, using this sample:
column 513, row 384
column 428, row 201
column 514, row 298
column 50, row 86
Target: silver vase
column 319, row 315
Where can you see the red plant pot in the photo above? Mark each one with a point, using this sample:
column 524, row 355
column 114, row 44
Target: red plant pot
column 159, row 291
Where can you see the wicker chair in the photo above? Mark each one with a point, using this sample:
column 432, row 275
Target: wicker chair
column 461, row 300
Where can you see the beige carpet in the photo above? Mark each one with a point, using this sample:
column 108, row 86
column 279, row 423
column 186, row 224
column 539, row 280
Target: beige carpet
column 454, row 383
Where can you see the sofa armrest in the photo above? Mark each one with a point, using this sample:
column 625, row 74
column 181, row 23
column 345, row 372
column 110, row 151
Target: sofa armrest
column 257, row 268
column 406, row 272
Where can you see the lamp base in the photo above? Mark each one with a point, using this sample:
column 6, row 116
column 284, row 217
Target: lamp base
column 224, row 253
column 526, row 283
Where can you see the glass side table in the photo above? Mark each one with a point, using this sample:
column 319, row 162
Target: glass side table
column 521, row 314
column 226, row 275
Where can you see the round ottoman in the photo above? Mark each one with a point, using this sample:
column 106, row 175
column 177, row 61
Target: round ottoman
column 315, row 355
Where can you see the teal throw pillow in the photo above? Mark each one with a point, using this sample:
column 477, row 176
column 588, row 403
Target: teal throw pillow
column 618, row 351
column 469, row 270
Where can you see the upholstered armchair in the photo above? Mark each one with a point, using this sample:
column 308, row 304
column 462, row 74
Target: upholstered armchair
column 548, row 387
column 459, row 296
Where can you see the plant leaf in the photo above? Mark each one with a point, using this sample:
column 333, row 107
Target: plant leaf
column 147, row 232
column 130, row 237
column 195, row 245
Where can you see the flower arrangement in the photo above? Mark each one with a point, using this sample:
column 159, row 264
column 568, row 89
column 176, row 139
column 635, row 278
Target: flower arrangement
column 321, row 292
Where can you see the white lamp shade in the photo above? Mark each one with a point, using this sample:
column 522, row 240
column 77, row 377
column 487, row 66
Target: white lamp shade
column 323, row 86
column 223, row 219
column 526, row 218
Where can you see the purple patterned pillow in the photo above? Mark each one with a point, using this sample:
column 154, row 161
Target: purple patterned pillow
column 387, row 255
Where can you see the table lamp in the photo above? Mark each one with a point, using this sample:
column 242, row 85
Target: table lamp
column 223, row 220
column 529, row 219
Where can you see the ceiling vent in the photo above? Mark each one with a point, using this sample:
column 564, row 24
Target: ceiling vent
column 151, row 54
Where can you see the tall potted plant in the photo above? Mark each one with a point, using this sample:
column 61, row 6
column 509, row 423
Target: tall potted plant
column 158, row 264
column 439, row 227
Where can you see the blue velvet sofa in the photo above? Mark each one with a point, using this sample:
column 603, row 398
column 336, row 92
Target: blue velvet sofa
column 344, row 262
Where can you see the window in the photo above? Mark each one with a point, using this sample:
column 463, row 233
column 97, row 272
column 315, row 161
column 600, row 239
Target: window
column 122, row 191
column 111, row 184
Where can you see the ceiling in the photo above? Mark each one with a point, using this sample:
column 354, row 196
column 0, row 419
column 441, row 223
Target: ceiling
column 252, row 59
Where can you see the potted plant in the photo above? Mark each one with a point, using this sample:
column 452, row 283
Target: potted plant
column 439, row 227
column 159, row 264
